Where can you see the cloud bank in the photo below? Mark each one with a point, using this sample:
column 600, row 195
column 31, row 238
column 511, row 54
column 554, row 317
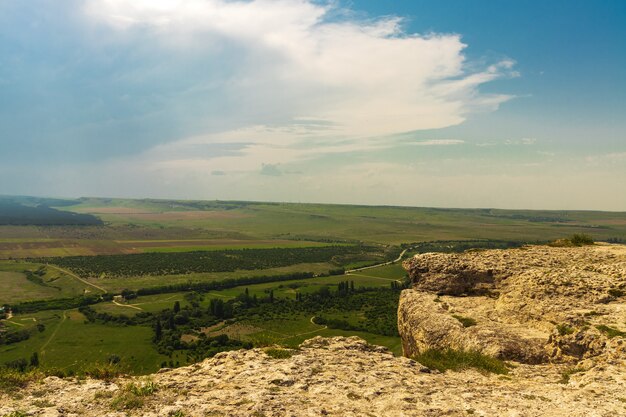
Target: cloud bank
column 296, row 61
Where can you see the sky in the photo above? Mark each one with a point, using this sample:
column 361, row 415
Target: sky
column 437, row 103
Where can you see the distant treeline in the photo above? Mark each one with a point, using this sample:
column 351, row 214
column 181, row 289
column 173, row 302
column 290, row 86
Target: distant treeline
column 14, row 213
column 204, row 261
column 455, row 246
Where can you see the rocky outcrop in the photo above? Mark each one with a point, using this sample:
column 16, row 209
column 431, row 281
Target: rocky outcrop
column 533, row 305
column 342, row 377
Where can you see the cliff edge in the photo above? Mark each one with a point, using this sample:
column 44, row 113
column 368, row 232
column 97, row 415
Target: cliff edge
column 556, row 315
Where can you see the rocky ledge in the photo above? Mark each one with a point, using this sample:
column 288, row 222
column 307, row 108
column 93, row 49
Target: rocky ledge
column 330, row 377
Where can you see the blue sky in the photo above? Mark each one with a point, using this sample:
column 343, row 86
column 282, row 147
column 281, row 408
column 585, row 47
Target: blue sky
column 425, row 103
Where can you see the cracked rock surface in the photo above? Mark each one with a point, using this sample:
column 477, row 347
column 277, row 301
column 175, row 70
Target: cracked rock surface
column 335, row 377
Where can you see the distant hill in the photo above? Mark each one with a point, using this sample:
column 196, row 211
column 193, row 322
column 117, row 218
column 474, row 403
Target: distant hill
column 35, row 211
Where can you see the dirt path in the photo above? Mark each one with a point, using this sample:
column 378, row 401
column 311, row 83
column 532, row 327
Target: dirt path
column 73, row 275
column 377, row 265
column 127, row 305
column 312, row 331
column 371, row 276
column 42, row 350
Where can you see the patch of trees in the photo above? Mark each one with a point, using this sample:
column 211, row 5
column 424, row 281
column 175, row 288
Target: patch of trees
column 10, row 337
column 22, row 365
column 206, row 261
column 93, row 316
column 36, row 277
column 14, row 213
column 56, row 304
column 223, row 284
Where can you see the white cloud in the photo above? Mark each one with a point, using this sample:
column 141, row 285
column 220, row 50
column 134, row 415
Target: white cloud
column 286, row 60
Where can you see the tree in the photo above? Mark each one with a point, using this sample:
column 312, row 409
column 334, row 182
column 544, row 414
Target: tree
column 34, row 360
column 158, row 331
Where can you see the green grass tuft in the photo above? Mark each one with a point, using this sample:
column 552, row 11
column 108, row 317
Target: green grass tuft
column 12, row 380
column 566, row 374
column 465, row 321
column 278, row 353
column 610, row 331
column 564, row 329
column 458, row 360
column 16, row 414
column 132, row 395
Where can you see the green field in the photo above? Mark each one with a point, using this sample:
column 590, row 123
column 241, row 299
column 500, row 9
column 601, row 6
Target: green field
column 15, row 287
column 134, row 226
column 279, row 309
column 68, row 343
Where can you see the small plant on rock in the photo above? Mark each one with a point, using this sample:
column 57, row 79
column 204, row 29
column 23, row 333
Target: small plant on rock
column 564, row 329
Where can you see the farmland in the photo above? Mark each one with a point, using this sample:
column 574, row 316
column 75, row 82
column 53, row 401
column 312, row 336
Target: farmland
column 154, row 283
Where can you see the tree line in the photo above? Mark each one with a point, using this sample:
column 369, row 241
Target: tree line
column 206, row 261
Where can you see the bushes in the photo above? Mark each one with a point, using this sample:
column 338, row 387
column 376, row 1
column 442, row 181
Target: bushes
column 581, row 240
column 578, row 239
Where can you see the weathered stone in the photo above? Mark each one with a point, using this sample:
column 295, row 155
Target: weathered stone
column 531, row 305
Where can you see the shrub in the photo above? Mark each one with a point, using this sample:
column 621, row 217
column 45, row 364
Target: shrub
column 458, row 360
column 580, row 239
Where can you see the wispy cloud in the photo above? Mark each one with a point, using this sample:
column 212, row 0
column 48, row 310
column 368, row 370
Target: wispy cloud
column 439, row 142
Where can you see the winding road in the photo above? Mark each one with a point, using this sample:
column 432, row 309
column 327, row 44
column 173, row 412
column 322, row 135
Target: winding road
column 349, row 271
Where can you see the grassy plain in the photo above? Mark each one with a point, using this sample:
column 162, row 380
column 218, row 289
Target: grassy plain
column 133, row 226
column 68, row 343
column 16, row 287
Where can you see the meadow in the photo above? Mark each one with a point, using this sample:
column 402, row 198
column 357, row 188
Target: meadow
column 215, row 275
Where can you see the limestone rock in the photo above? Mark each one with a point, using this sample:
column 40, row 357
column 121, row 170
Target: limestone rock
column 534, row 304
column 338, row 377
